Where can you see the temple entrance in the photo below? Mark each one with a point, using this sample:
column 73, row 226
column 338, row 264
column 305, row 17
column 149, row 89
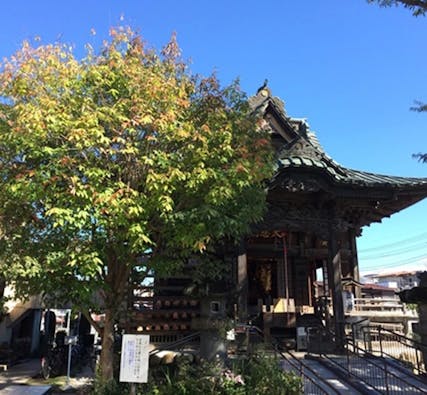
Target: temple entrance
column 270, row 302
column 262, row 277
column 283, row 289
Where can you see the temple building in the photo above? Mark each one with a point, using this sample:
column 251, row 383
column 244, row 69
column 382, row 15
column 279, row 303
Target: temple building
column 316, row 210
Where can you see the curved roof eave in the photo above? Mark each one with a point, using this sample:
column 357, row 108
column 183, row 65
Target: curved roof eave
column 349, row 177
column 301, row 157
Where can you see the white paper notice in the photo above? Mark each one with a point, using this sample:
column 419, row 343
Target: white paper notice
column 134, row 358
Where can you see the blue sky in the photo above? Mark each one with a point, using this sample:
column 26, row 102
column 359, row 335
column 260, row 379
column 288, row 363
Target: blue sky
column 350, row 68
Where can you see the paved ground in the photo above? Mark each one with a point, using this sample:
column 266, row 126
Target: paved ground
column 25, row 390
column 20, row 373
column 24, row 379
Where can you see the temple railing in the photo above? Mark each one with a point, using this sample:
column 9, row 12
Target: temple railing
column 390, row 305
column 381, row 373
column 311, row 381
column 368, row 365
column 385, row 343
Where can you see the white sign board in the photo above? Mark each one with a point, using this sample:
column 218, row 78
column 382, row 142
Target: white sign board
column 134, row 358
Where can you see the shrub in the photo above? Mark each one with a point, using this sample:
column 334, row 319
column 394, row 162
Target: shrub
column 259, row 374
column 263, row 375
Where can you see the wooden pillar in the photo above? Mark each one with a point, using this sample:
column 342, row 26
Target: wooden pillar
column 281, row 288
column 355, row 262
column 242, row 285
column 335, row 276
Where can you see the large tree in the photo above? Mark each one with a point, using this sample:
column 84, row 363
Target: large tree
column 120, row 155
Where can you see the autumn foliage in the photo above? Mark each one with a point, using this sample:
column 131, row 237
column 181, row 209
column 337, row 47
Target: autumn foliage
column 106, row 158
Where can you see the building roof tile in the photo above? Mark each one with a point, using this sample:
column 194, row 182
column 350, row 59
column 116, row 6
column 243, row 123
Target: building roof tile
column 305, row 151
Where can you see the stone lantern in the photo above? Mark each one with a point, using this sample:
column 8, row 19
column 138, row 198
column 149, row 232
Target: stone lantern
column 212, row 325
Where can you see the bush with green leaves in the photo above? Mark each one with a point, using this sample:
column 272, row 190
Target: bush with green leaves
column 259, row 374
column 263, row 375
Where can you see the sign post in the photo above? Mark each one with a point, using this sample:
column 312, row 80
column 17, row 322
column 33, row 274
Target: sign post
column 134, row 359
column 69, row 342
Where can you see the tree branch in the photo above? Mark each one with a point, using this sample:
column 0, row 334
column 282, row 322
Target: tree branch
column 88, row 316
column 418, row 7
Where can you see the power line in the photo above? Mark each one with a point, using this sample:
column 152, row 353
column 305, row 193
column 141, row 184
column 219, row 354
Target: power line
column 400, row 242
column 398, row 251
column 407, row 261
column 394, row 254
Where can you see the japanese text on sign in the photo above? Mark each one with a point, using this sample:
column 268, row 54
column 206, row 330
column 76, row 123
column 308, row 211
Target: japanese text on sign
column 134, row 358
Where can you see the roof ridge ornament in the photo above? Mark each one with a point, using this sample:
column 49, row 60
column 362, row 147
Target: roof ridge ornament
column 263, row 90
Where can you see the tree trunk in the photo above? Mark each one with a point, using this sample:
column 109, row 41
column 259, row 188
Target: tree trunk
column 115, row 280
column 2, row 286
column 107, row 352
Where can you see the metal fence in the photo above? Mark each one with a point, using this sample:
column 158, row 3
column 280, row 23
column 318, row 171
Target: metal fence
column 366, row 360
column 380, row 374
column 312, row 383
column 388, row 344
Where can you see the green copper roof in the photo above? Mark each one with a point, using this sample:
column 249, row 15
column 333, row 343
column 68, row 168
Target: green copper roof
column 300, row 149
column 349, row 176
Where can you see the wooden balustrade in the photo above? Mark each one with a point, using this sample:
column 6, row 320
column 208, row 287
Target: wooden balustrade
column 390, row 305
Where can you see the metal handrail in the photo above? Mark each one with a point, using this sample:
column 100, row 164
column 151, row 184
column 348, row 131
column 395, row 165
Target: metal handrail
column 295, row 363
column 408, row 346
column 384, row 366
column 400, row 336
column 301, row 367
column 178, row 343
column 346, row 370
column 384, row 377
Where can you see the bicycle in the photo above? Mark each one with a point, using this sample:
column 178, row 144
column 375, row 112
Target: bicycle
column 54, row 362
